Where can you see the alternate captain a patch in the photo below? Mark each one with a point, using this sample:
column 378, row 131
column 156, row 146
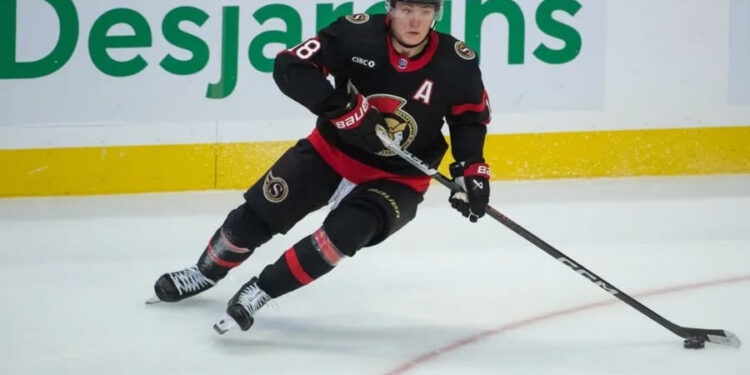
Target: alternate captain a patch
column 464, row 51
column 358, row 18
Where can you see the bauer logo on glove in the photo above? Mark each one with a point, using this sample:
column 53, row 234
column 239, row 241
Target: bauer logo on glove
column 357, row 121
column 353, row 118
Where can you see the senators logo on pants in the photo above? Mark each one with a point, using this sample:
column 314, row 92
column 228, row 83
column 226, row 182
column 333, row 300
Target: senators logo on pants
column 402, row 128
column 275, row 189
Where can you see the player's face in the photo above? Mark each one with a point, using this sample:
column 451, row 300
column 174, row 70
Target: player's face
column 411, row 22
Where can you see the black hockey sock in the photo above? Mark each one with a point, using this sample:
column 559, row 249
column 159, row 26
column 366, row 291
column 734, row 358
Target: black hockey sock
column 307, row 260
column 221, row 256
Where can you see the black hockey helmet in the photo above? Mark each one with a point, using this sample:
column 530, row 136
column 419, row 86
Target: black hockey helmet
column 438, row 4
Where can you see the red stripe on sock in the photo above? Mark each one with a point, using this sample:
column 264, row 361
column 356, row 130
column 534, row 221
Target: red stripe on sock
column 220, row 261
column 296, row 268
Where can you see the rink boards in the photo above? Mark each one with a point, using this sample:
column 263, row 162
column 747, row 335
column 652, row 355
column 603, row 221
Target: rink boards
column 578, row 88
column 152, row 168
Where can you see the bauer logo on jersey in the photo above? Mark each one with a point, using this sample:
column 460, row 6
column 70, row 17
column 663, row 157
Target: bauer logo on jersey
column 359, row 18
column 402, row 128
column 464, row 51
column 275, row 189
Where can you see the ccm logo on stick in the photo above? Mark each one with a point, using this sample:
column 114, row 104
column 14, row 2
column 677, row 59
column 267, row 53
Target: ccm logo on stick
column 609, row 289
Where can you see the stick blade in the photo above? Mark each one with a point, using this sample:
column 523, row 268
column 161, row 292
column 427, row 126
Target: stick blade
column 715, row 336
column 727, row 338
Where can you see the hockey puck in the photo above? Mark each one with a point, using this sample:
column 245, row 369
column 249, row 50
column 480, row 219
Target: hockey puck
column 694, row 343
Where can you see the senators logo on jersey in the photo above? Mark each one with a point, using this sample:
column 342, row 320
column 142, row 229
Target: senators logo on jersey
column 464, row 51
column 358, row 18
column 416, row 95
column 401, row 126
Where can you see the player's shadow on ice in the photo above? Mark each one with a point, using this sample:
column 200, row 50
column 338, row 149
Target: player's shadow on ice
column 196, row 303
column 340, row 333
column 202, row 309
column 390, row 335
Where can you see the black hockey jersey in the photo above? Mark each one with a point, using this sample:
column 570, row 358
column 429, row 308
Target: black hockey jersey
column 415, row 95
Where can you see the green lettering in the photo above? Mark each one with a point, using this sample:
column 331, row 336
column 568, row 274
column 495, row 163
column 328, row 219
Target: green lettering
column 196, row 46
column 476, row 12
column 99, row 42
column 444, row 25
column 291, row 37
column 229, row 55
column 553, row 28
column 66, row 43
column 377, row 8
column 326, row 14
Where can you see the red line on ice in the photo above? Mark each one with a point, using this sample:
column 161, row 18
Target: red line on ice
column 430, row 355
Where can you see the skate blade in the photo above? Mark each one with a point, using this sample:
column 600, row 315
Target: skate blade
column 224, row 324
column 153, row 300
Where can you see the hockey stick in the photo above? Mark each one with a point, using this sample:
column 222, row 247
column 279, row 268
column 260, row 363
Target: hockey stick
column 691, row 335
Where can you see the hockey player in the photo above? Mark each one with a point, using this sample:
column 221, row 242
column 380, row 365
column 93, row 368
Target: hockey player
column 390, row 70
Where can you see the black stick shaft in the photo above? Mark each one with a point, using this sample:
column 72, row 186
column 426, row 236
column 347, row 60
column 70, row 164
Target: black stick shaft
column 714, row 335
column 557, row 254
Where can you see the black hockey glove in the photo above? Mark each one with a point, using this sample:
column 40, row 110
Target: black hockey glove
column 473, row 176
column 356, row 123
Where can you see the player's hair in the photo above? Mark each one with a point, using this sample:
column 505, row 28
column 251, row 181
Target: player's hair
column 438, row 4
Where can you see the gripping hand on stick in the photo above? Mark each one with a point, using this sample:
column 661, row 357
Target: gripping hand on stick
column 473, row 176
column 357, row 121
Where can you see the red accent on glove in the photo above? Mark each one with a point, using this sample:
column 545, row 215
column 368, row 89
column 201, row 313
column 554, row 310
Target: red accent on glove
column 477, row 169
column 353, row 118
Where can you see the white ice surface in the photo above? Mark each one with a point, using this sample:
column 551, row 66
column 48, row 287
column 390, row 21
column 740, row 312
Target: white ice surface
column 75, row 272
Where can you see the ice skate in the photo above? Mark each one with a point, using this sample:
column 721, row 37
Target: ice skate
column 241, row 308
column 176, row 286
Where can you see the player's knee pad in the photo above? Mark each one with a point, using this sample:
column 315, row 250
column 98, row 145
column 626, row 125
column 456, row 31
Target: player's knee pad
column 370, row 214
column 352, row 226
column 244, row 228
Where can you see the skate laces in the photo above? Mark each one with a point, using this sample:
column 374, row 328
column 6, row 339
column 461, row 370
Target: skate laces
column 252, row 298
column 190, row 280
